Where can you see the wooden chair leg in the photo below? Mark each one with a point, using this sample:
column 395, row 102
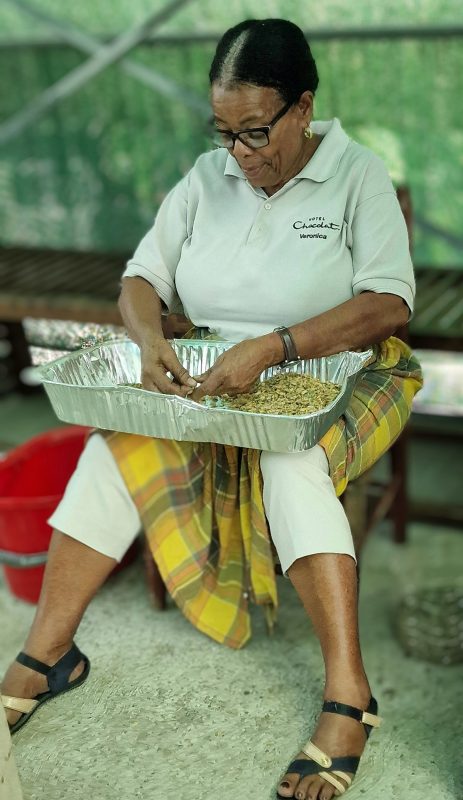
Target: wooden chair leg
column 355, row 502
column 156, row 585
column 399, row 510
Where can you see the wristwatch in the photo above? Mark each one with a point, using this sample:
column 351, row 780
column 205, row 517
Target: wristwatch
column 289, row 346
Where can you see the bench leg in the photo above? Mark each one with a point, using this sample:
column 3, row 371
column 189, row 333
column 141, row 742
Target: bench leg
column 399, row 510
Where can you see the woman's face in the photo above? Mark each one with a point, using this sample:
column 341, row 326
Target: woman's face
column 245, row 106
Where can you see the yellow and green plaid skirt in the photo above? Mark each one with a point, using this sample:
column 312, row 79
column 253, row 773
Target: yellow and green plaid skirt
column 201, row 504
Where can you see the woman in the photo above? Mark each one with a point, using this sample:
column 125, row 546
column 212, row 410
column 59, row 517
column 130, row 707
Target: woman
column 288, row 224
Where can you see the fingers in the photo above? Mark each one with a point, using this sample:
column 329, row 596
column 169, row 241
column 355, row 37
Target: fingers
column 232, row 373
column 214, row 380
column 203, row 377
column 157, row 381
column 227, row 375
column 181, row 375
column 157, row 361
column 208, row 383
column 196, row 395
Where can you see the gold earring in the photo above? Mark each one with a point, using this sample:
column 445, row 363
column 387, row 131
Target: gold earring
column 308, row 132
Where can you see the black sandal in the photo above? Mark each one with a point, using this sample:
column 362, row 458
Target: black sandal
column 338, row 768
column 58, row 683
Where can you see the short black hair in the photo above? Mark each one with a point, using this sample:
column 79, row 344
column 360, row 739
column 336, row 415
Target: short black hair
column 266, row 52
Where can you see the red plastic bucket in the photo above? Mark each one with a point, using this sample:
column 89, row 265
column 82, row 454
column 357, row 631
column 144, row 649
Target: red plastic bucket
column 33, row 478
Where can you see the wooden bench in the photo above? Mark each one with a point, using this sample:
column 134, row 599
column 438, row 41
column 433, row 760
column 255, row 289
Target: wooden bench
column 58, row 285
column 438, row 319
column 84, row 287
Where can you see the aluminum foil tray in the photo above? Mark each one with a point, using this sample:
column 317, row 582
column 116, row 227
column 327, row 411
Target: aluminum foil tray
column 84, row 389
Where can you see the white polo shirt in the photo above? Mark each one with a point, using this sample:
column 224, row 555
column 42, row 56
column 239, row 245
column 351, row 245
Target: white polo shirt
column 242, row 263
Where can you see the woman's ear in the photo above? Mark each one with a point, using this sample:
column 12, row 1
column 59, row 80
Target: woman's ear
column 305, row 105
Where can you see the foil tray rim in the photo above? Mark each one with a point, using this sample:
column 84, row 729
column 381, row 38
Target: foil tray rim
column 76, row 354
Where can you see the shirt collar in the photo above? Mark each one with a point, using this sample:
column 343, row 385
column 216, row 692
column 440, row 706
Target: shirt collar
column 324, row 162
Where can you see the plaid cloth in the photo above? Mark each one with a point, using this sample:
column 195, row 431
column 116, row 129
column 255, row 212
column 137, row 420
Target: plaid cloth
column 377, row 413
column 201, row 504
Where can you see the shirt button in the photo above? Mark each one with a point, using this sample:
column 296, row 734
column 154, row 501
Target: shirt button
column 267, row 206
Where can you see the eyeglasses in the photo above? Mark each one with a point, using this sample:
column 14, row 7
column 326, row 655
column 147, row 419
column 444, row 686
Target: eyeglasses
column 251, row 137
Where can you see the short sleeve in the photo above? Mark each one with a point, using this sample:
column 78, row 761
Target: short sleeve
column 158, row 253
column 380, row 248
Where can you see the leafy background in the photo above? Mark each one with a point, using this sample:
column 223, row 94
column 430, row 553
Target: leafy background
column 91, row 173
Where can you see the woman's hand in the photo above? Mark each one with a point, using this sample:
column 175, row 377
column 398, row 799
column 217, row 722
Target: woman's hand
column 158, row 358
column 237, row 369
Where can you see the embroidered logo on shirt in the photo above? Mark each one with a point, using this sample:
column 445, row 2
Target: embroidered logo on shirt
column 315, row 222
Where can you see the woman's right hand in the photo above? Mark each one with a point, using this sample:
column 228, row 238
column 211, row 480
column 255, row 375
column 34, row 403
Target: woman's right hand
column 158, row 358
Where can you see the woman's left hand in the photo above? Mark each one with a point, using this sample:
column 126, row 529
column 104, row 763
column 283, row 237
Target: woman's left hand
column 236, row 370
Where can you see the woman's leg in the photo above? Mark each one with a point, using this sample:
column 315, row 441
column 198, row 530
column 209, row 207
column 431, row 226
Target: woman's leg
column 73, row 575
column 313, row 540
column 327, row 586
column 101, row 522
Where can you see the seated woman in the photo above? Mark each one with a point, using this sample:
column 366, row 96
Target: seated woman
column 287, row 225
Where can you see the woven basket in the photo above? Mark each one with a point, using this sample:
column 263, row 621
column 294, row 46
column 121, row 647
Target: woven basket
column 430, row 623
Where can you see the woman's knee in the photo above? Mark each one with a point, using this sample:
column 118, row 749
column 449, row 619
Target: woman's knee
column 283, row 464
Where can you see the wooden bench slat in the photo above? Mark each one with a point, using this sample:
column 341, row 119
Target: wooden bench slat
column 432, row 312
column 84, row 309
column 85, row 286
column 453, row 318
column 426, row 296
column 423, row 280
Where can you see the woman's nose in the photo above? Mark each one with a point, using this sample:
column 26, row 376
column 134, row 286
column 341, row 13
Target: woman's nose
column 241, row 149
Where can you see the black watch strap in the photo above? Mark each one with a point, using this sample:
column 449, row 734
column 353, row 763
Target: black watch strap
column 288, row 344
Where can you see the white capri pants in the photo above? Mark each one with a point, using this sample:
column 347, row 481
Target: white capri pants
column 304, row 515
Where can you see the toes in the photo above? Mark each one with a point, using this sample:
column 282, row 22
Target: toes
column 327, row 792
column 305, row 789
column 315, row 789
column 308, row 789
column 288, row 791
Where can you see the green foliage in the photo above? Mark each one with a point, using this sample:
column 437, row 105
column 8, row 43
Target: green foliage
column 92, row 172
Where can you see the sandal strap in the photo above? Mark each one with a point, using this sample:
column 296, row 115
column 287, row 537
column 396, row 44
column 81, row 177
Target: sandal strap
column 21, row 704
column 328, row 776
column 304, row 766
column 317, row 755
column 32, row 663
column 339, row 769
column 322, row 759
column 58, row 674
column 342, row 775
column 368, row 717
column 58, row 677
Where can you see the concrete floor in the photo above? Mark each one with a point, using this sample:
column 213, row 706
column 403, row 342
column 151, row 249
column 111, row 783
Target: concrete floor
column 167, row 713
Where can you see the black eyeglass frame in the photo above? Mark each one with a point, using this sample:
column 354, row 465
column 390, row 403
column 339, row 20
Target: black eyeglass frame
column 263, row 129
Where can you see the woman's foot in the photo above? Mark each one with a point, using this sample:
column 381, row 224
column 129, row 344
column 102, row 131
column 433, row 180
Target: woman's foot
column 336, row 736
column 20, row 681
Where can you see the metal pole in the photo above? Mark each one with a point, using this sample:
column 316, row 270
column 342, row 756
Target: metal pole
column 314, row 34
column 146, row 75
column 74, row 80
column 370, row 33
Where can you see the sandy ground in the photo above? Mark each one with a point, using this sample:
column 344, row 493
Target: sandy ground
column 169, row 714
